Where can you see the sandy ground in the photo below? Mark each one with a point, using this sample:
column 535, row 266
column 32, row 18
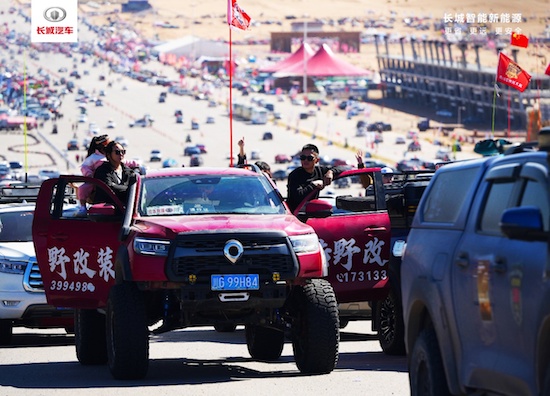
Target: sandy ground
column 207, row 19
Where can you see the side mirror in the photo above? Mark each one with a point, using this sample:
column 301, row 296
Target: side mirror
column 524, row 224
column 318, row 208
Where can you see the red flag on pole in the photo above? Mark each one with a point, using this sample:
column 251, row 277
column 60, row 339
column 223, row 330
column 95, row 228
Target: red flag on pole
column 509, row 73
column 519, row 40
column 236, row 16
column 547, row 70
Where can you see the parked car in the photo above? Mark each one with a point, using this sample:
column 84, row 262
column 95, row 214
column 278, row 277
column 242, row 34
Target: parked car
column 201, row 147
column 267, row 136
column 379, row 126
column 282, row 158
column 21, row 287
column 190, row 150
column 169, row 163
column 280, row 174
column 400, row 140
column 210, row 120
column 73, row 145
column 196, row 160
column 142, row 122
column 156, row 156
column 414, row 146
column 111, row 124
column 122, row 140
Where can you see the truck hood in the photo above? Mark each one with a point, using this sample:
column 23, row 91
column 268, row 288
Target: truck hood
column 23, row 251
column 163, row 226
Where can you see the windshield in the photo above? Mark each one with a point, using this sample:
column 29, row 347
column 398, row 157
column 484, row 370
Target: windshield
column 192, row 195
column 16, row 226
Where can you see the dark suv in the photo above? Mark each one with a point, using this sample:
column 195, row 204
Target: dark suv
column 475, row 279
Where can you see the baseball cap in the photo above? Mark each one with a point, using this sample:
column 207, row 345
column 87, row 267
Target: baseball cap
column 102, row 140
column 387, row 170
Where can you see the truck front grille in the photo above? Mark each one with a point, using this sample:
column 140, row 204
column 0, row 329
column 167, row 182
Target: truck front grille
column 32, row 280
column 202, row 255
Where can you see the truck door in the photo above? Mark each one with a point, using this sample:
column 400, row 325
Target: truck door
column 476, row 269
column 76, row 255
column 356, row 240
column 520, row 287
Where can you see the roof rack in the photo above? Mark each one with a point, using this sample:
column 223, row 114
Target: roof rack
column 19, row 192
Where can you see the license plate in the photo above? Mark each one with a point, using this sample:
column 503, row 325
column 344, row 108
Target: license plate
column 234, row 282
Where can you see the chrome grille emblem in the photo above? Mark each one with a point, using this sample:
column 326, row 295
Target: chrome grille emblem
column 233, row 250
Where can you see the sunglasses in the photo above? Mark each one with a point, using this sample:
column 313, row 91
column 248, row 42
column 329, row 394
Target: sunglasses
column 307, row 157
column 120, row 152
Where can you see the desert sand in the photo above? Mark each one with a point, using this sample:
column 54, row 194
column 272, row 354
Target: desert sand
column 207, row 19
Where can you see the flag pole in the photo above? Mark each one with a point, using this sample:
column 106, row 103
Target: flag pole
column 230, row 68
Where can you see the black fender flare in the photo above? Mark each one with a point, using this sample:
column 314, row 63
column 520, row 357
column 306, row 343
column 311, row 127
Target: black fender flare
column 123, row 271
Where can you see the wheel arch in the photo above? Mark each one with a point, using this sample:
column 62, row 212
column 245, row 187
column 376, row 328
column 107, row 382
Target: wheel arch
column 123, row 270
column 543, row 349
column 420, row 317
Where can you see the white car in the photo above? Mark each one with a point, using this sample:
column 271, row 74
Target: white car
column 111, row 124
column 122, row 140
column 93, row 129
column 23, row 302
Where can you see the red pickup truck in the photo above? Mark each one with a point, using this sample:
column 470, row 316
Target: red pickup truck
column 212, row 246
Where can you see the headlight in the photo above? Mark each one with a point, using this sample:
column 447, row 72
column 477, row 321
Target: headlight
column 151, row 247
column 305, row 243
column 12, row 267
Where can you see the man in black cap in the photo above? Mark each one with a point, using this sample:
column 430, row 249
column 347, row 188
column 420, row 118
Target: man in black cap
column 308, row 178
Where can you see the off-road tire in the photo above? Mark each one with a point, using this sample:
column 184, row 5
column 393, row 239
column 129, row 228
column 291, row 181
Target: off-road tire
column 6, row 331
column 225, row 327
column 546, row 382
column 391, row 329
column 264, row 343
column 90, row 339
column 426, row 373
column 315, row 327
column 127, row 332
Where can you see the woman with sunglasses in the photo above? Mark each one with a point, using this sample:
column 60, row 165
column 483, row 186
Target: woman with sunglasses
column 309, row 177
column 114, row 173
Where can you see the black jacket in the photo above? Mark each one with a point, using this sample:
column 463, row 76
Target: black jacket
column 119, row 186
column 300, row 183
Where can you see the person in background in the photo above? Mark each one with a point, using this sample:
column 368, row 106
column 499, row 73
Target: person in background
column 366, row 180
column 308, row 178
column 241, row 156
column 241, row 160
column 118, row 176
column 94, row 158
column 387, row 175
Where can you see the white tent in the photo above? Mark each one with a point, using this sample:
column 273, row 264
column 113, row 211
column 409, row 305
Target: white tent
column 192, row 47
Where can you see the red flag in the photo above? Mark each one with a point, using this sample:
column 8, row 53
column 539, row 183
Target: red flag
column 519, row 40
column 509, row 73
column 236, row 16
column 547, row 70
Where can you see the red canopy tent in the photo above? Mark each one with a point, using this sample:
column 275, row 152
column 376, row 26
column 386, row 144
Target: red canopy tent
column 296, row 57
column 323, row 64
